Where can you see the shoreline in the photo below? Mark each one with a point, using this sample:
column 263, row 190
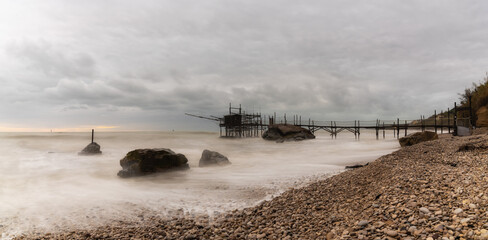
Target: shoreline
column 429, row 190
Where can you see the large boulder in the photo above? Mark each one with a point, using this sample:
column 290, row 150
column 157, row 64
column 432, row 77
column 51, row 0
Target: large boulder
column 211, row 158
column 417, row 137
column 91, row 149
column 146, row 161
column 283, row 132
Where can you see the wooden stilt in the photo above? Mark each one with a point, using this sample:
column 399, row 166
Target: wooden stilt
column 398, row 127
column 406, row 127
column 435, row 121
column 454, row 126
column 383, row 130
column 377, row 129
column 448, row 120
column 442, row 128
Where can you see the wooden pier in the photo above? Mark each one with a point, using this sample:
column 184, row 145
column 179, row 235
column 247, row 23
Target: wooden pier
column 237, row 124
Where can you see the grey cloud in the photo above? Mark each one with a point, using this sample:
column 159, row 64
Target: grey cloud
column 52, row 62
column 74, row 108
column 334, row 59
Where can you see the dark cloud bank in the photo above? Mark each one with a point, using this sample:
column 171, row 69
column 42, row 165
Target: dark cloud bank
column 143, row 65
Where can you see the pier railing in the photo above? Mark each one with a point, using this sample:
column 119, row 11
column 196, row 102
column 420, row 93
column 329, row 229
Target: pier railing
column 399, row 127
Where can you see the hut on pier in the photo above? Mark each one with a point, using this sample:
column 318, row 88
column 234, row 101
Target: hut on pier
column 241, row 124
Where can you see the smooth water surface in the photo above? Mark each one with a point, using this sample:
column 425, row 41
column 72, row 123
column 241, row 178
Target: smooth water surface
column 46, row 186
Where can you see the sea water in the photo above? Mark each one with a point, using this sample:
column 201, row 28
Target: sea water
column 46, row 186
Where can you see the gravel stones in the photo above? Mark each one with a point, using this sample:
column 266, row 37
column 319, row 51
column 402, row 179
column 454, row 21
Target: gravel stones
column 458, row 211
column 391, row 233
column 424, row 210
column 363, row 223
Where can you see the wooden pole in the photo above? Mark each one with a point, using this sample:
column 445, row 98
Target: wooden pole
column 448, row 120
column 455, row 120
column 471, row 113
column 442, row 128
column 335, row 127
column 93, row 133
column 261, row 124
column 377, row 129
column 394, row 130
column 332, row 129
column 355, row 130
column 383, row 130
column 435, row 121
column 398, row 127
column 359, row 129
column 406, row 127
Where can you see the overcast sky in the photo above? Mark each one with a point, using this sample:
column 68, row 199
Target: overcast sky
column 140, row 65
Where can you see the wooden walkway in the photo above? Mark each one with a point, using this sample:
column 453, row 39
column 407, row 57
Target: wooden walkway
column 380, row 127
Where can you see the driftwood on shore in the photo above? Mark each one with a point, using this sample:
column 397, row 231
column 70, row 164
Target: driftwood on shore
column 427, row 191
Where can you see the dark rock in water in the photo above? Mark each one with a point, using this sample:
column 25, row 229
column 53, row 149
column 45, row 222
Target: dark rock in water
column 91, row 149
column 210, row 158
column 146, row 161
column 282, row 132
column 417, row 137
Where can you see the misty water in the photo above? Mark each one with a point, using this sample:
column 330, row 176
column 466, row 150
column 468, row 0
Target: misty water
column 46, row 186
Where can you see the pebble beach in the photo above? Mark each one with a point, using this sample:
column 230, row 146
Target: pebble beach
column 432, row 190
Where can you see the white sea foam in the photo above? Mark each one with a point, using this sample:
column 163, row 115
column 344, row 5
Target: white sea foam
column 46, row 186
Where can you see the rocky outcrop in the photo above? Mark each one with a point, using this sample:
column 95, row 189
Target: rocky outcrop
column 211, row 158
column 480, row 131
column 418, row 137
column 283, row 132
column 91, row 149
column 482, row 117
column 146, row 161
